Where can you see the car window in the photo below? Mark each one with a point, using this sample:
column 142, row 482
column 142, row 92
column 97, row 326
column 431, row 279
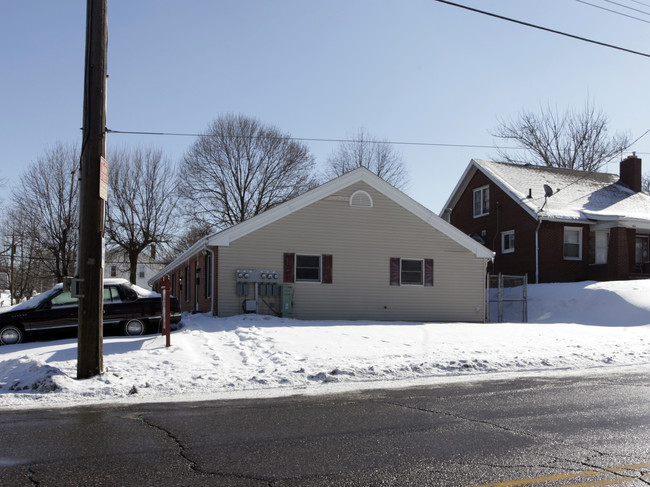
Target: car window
column 64, row 299
column 111, row 295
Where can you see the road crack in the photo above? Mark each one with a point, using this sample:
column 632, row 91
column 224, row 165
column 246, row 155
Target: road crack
column 31, row 476
column 464, row 418
column 193, row 465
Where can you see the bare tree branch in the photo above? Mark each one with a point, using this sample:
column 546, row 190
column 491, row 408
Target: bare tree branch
column 573, row 139
column 363, row 150
column 141, row 202
column 240, row 168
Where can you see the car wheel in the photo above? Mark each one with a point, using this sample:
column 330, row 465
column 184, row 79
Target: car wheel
column 134, row 327
column 10, row 334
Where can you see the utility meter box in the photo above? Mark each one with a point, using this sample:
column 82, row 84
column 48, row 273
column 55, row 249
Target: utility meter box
column 286, row 301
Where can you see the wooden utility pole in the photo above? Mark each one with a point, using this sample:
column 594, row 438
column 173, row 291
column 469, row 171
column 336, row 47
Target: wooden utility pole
column 90, row 258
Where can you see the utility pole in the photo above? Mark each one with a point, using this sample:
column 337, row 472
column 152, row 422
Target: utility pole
column 90, row 260
column 12, row 258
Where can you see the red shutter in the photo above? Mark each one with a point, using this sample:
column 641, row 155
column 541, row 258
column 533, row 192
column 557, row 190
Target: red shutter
column 289, row 260
column 428, row 272
column 326, row 261
column 394, row 271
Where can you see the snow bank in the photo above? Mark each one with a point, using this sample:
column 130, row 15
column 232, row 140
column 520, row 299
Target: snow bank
column 572, row 326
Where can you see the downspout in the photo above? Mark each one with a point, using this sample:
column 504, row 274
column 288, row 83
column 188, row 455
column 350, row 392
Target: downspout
column 213, row 291
column 539, row 224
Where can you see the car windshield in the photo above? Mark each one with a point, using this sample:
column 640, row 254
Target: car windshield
column 37, row 300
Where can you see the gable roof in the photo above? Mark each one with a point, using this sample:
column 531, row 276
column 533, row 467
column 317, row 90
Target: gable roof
column 361, row 174
column 579, row 196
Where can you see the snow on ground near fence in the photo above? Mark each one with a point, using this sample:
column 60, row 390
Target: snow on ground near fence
column 571, row 326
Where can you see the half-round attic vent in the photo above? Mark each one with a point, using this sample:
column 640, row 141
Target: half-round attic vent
column 361, row 198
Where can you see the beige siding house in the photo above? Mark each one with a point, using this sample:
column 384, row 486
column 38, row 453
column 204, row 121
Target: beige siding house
column 354, row 248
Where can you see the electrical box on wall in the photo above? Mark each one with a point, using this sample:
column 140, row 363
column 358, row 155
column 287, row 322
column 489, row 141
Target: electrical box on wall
column 256, row 275
column 286, row 301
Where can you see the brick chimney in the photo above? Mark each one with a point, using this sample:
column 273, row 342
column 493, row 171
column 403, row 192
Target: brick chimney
column 630, row 172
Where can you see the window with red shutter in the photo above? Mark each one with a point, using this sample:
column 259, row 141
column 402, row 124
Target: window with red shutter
column 288, row 267
column 327, row 269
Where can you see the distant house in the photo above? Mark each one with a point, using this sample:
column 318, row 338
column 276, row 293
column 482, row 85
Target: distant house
column 117, row 265
column 556, row 224
column 353, row 248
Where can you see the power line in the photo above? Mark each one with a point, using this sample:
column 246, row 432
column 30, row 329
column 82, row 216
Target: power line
column 613, row 11
column 308, row 139
column 553, row 31
column 640, row 3
column 625, row 6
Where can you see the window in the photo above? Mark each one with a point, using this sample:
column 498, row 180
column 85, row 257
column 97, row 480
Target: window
column 481, row 201
column 308, row 268
column 601, row 244
column 111, row 295
column 641, row 250
column 508, row 242
column 113, row 271
column 64, row 299
column 411, row 272
column 572, row 243
column 141, row 271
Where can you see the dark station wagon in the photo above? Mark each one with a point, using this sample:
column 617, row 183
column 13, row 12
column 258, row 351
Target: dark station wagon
column 128, row 309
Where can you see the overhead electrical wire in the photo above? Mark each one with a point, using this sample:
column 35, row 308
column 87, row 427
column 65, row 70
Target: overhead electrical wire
column 546, row 29
column 307, row 139
column 311, row 139
column 614, row 11
column 629, row 8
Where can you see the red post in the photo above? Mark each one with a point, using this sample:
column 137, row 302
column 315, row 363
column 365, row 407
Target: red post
column 165, row 285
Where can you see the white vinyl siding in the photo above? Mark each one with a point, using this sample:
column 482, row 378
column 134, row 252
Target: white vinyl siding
column 362, row 244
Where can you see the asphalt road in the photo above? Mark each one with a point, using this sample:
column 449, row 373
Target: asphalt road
column 588, row 430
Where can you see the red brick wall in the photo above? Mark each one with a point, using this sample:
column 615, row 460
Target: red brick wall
column 506, row 214
column 190, row 290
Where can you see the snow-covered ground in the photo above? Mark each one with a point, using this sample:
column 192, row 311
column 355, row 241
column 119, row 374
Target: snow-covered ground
column 571, row 327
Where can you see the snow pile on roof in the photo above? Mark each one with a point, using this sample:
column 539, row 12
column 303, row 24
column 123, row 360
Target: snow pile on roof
column 577, row 195
column 573, row 326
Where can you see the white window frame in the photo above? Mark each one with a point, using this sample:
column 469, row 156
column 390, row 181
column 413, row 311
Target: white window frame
column 601, row 249
column 511, row 248
column 484, row 193
column 320, row 268
column 401, row 270
column 564, row 243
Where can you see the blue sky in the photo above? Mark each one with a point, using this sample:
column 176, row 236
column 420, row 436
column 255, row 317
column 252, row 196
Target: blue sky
column 409, row 71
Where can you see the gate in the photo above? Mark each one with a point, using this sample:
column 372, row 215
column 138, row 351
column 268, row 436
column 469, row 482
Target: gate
column 506, row 298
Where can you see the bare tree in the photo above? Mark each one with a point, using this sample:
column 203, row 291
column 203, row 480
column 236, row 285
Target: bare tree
column 645, row 183
column 239, row 168
column 141, row 202
column 45, row 203
column 574, row 139
column 363, row 150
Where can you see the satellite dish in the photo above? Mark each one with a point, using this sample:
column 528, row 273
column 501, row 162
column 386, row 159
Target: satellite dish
column 548, row 191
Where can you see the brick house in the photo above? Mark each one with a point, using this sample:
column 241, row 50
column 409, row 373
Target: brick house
column 352, row 248
column 556, row 225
